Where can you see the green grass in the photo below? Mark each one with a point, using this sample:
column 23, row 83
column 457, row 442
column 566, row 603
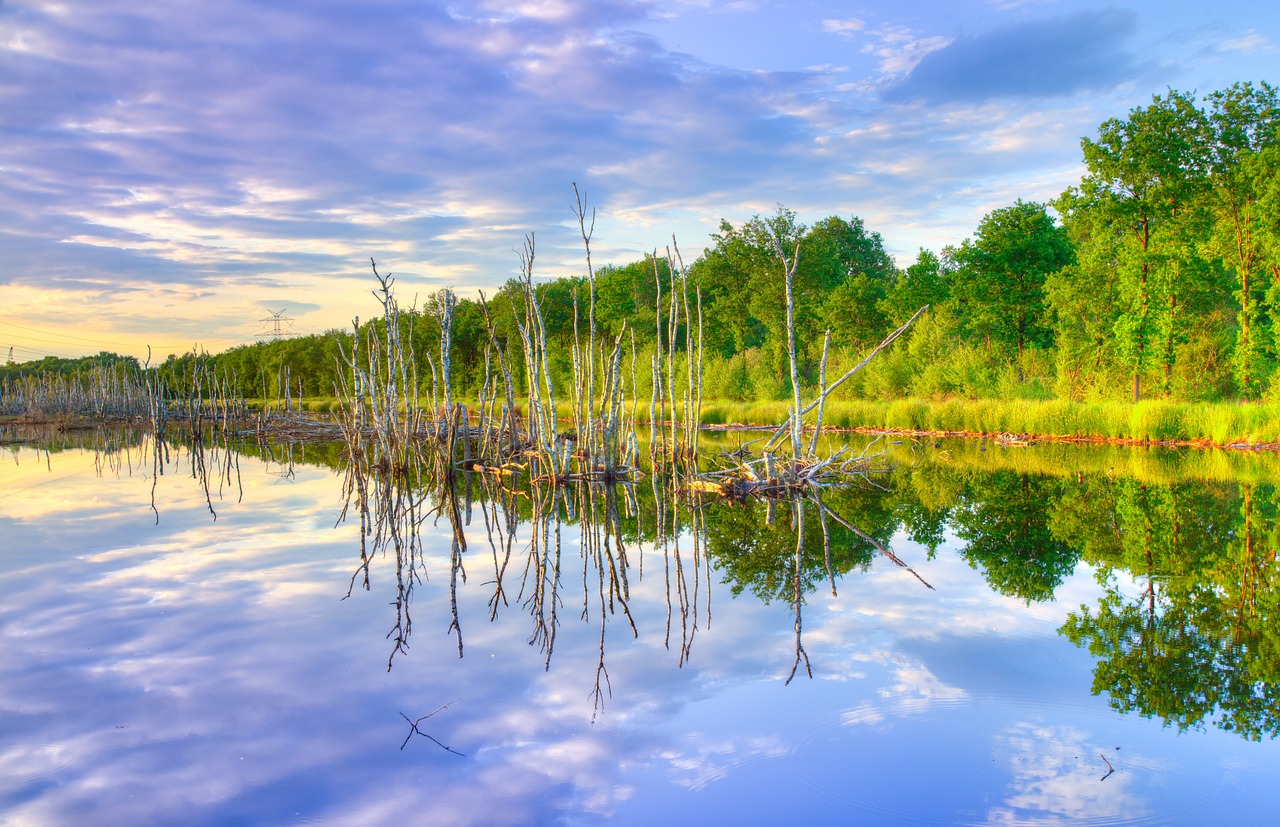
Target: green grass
column 1152, row 420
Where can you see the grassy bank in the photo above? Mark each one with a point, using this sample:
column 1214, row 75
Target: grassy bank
column 1151, row 421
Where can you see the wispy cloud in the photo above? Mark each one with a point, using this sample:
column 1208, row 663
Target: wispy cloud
column 846, row 27
column 899, row 49
column 1250, row 43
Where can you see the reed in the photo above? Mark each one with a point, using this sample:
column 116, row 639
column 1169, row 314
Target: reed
column 1153, row 465
column 1150, row 421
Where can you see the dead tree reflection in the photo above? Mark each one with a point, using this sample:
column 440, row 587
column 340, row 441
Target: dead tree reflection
column 797, row 599
column 392, row 506
column 211, row 459
column 408, row 509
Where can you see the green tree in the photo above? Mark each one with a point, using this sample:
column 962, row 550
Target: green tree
column 848, row 267
column 1242, row 122
column 1084, row 301
column 727, row 274
column 926, row 281
column 1144, row 173
column 1000, row 275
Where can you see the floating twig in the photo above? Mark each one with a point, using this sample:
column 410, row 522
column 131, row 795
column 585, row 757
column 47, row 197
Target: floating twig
column 413, row 729
column 1110, row 769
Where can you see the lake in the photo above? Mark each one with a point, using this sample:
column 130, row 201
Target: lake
column 984, row 634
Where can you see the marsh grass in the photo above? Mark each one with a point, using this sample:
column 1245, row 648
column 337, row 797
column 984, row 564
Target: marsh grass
column 1153, row 421
column 1224, row 424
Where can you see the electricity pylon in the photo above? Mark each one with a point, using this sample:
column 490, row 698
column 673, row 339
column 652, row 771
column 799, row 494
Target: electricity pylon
column 276, row 320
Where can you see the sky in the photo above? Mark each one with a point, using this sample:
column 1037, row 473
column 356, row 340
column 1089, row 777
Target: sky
column 174, row 173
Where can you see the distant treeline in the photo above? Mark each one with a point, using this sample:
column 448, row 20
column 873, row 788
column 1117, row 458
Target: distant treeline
column 1158, row 275
column 69, row 367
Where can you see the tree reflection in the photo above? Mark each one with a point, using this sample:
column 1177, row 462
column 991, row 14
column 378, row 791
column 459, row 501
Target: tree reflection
column 392, row 505
column 1185, row 628
column 1197, row 643
column 1004, row 519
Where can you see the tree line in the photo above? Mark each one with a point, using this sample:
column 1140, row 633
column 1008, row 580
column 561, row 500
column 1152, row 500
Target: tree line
column 1158, row 274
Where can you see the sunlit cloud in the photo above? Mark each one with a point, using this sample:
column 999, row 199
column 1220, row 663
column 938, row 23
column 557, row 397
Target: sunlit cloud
column 899, row 49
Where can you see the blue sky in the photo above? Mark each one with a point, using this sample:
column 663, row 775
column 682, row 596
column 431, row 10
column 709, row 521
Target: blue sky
column 172, row 172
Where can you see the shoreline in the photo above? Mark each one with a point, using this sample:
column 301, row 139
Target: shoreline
column 1018, row 440
column 69, row 423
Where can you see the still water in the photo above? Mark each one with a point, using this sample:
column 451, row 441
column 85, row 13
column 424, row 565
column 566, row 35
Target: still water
column 1047, row 635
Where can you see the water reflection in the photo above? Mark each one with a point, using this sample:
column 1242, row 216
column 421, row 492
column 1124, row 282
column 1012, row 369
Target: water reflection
column 1183, row 629
column 936, row 612
column 1193, row 646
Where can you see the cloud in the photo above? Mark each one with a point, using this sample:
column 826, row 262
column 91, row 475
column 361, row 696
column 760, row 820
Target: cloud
column 237, row 134
column 845, row 28
column 1035, row 59
column 1251, row 42
column 899, row 49
column 238, row 151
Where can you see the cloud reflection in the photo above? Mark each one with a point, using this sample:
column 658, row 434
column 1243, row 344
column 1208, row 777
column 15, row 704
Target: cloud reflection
column 1055, row 779
column 210, row 672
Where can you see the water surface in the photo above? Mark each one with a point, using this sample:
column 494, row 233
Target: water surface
column 1056, row 636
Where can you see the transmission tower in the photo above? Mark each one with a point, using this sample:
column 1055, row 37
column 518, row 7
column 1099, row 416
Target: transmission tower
column 10, row 362
column 276, row 320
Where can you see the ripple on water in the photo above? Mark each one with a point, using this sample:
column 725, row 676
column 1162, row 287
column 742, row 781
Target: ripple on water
column 21, row 765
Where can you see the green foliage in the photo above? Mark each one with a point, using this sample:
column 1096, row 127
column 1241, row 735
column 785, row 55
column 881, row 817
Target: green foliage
column 1004, row 522
column 56, row 366
column 1168, row 218
column 1241, row 134
column 999, row 280
column 926, row 282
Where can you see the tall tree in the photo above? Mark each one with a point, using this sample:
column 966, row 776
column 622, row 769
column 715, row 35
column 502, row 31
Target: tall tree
column 1084, row 299
column 1001, row 275
column 728, row 273
column 926, row 281
column 854, row 272
column 1143, row 175
column 1242, row 122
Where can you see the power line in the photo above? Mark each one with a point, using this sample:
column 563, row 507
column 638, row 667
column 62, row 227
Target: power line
column 276, row 319
column 66, row 338
column 29, row 353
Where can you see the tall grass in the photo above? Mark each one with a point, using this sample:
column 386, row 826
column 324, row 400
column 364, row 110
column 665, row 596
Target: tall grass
column 1154, row 420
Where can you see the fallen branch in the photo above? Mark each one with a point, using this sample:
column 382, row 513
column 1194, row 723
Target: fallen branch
column 786, row 426
column 1110, row 769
